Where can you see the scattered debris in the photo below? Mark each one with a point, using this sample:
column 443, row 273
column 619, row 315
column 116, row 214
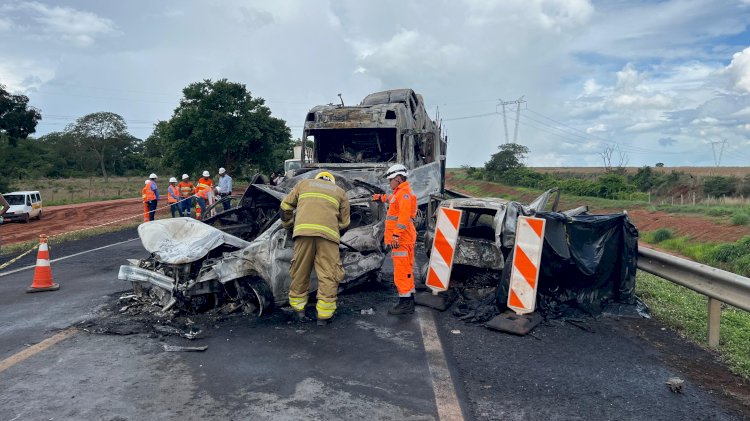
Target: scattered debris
column 675, row 384
column 176, row 348
column 369, row 311
column 456, row 332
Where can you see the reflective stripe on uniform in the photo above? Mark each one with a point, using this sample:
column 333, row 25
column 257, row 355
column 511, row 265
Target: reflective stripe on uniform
column 325, row 309
column 298, row 303
column 400, row 254
column 286, row 206
column 316, row 227
column 319, row 196
column 402, row 226
column 391, row 218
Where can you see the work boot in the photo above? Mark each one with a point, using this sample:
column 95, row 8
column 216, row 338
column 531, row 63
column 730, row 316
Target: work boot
column 405, row 306
column 301, row 316
column 324, row 322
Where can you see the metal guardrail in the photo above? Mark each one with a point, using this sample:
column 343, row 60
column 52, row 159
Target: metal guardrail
column 718, row 285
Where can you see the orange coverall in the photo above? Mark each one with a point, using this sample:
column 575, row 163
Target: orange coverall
column 399, row 223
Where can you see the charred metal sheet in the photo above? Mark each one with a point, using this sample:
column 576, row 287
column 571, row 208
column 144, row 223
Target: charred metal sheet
column 482, row 254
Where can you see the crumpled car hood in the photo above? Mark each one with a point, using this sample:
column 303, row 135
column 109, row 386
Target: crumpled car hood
column 183, row 240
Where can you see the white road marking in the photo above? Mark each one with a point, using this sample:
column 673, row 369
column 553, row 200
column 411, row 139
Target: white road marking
column 442, row 385
column 10, row 272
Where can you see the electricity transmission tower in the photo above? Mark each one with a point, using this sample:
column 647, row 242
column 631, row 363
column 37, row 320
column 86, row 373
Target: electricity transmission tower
column 517, row 103
column 720, row 145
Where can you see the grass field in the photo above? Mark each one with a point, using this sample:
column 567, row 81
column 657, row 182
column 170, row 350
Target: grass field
column 697, row 171
column 686, row 312
column 80, row 190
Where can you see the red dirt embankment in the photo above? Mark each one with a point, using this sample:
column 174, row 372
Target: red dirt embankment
column 66, row 218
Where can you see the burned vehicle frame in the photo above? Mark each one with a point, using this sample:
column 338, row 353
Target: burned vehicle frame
column 386, row 128
column 588, row 261
column 239, row 259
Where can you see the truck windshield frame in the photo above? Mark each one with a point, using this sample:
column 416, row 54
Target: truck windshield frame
column 356, row 145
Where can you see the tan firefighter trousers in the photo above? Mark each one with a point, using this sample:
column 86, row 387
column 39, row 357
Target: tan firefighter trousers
column 323, row 254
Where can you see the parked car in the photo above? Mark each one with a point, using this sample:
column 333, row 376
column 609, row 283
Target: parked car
column 24, row 205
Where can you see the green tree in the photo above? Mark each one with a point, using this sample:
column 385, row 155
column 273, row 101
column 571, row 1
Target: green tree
column 17, row 119
column 105, row 135
column 220, row 124
column 510, row 156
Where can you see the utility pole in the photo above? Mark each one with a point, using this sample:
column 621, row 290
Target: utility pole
column 720, row 145
column 517, row 103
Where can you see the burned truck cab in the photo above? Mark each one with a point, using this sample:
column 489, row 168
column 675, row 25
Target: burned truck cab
column 386, row 128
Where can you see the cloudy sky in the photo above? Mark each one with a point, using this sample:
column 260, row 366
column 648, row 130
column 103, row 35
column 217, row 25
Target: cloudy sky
column 658, row 80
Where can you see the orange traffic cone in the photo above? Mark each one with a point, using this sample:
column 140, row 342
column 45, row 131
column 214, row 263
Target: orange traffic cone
column 42, row 272
column 197, row 211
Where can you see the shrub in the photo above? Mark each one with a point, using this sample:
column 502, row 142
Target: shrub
column 740, row 219
column 719, row 212
column 742, row 265
column 661, row 234
column 726, row 252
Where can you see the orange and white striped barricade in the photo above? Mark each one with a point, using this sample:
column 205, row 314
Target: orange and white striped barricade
column 527, row 255
column 443, row 249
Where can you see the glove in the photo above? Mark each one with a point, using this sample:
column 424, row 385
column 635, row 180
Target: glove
column 379, row 197
column 218, row 190
column 394, row 242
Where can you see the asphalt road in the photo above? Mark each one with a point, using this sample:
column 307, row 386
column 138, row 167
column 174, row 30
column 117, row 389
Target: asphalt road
column 367, row 366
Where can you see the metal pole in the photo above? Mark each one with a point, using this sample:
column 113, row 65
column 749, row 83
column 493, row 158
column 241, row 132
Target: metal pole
column 714, row 322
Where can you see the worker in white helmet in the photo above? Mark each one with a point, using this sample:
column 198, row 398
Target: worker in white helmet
column 187, row 189
column 203, row 193
column 401, row 235
column 224, row 188
column 173, row 197
column 150, row 196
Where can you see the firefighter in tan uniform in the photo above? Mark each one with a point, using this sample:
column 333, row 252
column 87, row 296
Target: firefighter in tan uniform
column 322, row 213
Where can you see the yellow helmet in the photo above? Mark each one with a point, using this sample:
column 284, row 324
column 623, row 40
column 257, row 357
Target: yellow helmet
column 325, row 175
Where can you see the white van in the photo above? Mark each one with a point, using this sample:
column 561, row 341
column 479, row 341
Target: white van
column 24, row 205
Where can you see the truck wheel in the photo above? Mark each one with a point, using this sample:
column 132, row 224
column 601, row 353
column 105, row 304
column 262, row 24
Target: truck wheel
column 39, row 216
column 26, row 219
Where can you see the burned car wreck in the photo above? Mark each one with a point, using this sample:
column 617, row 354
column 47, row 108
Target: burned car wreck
column 588, row 261
column 239, row 259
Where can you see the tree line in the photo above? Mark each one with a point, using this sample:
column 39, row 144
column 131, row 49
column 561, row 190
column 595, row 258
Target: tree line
column 216, row 124
column 507, row 166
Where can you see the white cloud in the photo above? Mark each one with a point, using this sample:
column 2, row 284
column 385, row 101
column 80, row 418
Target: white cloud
column 5, row 24
column 739, row 70
column 78, row 27
column 24, row 75
column 597, row 128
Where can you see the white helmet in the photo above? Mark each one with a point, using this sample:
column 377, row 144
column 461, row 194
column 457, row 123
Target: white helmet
column 206, row 174
column 185, row 176
column 172, row 180
column 222, row 170
column 395, row 170
column 152, row 176
column 148, row 181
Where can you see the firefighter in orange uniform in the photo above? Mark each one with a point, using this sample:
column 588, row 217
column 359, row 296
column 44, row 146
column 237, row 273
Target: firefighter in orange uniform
column 401, row 235
column 203, row 193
